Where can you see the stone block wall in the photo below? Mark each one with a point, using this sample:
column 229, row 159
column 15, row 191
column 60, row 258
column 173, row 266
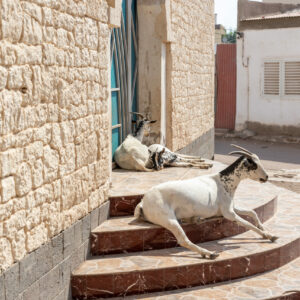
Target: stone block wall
column 54, row 119
column 191, row 73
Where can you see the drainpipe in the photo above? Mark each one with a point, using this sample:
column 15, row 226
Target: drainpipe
column 245, row 62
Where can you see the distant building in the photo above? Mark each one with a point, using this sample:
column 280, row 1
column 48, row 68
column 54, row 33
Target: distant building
column 220, row 32
column 268, row 67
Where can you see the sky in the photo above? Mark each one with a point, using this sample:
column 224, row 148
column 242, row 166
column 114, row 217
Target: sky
column 227, row 13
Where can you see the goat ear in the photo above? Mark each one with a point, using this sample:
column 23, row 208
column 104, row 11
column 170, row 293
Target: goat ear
column 163, row 150
column 247, row 162
column 153, row 121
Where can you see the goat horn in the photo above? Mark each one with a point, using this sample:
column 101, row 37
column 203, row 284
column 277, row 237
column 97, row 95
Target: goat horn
column 138, row 114
column 241, row 148
column 240, row 153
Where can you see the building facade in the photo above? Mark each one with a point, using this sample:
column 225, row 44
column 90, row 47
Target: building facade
column 268, row 68
column 57, row 112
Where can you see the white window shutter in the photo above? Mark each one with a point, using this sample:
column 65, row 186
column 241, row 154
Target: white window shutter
column 271, row 78
column 292, row 78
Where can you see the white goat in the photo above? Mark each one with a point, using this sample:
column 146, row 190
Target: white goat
column 204, row 197
column 160, row 156
column 132, row 154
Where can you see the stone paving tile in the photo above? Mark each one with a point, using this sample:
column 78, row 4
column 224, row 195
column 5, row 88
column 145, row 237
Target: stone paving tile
column 125, row 183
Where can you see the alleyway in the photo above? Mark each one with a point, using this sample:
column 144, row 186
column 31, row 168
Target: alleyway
column 275, row 156
column 281, row 160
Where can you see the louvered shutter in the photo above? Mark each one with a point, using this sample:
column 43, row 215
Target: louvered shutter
column 271, row 78
column 292, row 78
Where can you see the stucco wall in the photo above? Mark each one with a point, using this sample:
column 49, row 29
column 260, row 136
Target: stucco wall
column 191, row 69
column 54, row 122
column 252, row 105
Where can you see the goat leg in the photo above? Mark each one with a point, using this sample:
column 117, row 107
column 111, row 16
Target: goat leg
column 182, row 239
column 232, row 216
column 252, row 214
column 140, row 166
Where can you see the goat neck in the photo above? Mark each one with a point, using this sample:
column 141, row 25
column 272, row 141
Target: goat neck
column 139, row 131
column 232, row 176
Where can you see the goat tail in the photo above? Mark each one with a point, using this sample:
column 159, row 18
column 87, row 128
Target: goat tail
column 138, row 212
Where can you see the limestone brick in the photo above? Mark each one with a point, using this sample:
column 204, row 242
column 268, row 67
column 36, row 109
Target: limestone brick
column 6, row 257
column 67, row 160
column 3, row 77
column 11, row 13
column 33, row 217
column 36, row 237
column 48, row 16
column 37, row 173
column 33, row 10
column 8, row 53
column 8, row 189
column 33, row 151
column 18, row 245
column 51, row 163
column 14, row 224
column 9, row 161
column 6, row 210
column 23, row 179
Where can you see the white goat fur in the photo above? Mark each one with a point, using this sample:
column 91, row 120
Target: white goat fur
column 165, row 157
column 159, row 148
column 204, row 197
column 132, row 155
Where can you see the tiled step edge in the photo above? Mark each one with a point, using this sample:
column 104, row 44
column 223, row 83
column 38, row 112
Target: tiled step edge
column 123, row 206
column 155, row 237
column 91, row 286
column 282, row 283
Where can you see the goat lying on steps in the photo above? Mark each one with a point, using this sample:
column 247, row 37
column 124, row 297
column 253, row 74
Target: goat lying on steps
column 132, row 154
column 205, row 196
column 161, row 157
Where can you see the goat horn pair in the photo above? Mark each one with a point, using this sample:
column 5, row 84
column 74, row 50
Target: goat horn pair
column 138, row 114
column 244, row 151
column 241, row 148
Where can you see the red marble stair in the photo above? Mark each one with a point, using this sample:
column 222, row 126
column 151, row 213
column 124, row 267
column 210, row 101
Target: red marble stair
column 123, row 234
column 167, row 269
column 282, row 283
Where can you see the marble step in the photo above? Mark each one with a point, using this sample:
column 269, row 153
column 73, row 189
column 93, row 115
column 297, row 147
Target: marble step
column 124, row 234
column 167, row 269
column 282, row 283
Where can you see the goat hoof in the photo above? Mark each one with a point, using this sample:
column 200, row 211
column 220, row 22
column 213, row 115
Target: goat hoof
column 210, row 255
column 213, row 255
column 273, row 238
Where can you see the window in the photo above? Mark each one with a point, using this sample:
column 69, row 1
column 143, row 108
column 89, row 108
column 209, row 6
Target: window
column 281, row 78
column 292, row 78
column 271, row 78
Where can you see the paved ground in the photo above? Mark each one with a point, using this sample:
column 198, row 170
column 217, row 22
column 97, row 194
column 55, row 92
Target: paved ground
column 275, row 156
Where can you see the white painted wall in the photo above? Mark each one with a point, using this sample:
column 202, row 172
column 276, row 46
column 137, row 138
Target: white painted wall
column 256, row 47
column 283, row 1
